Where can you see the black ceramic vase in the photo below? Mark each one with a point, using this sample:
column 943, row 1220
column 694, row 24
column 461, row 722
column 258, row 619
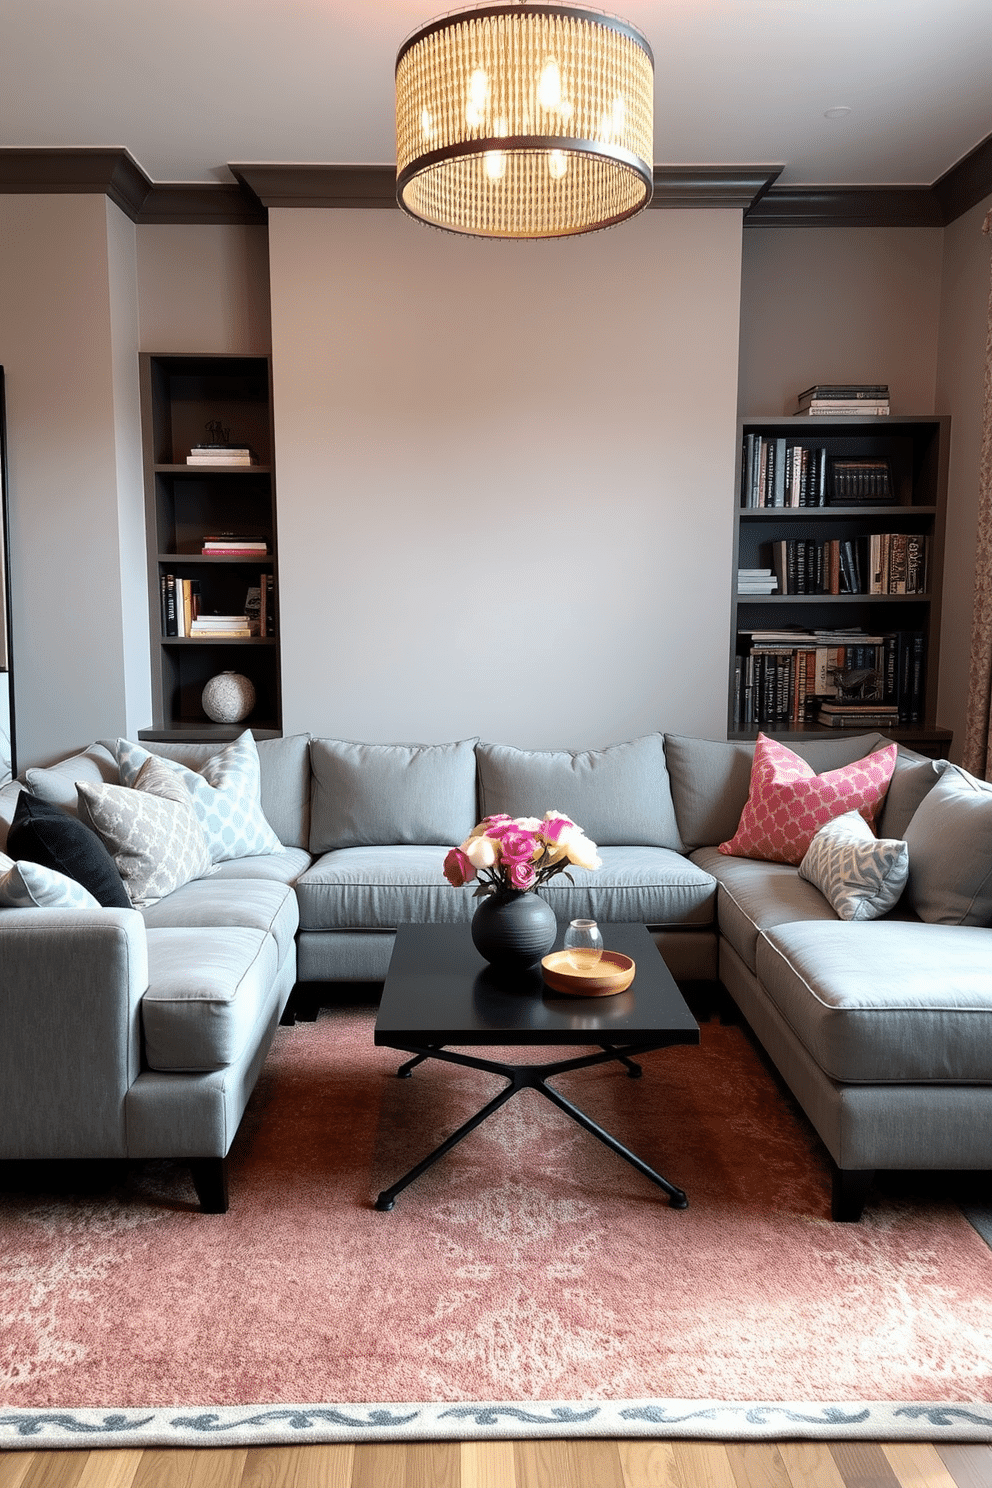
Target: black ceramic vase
column 514, row 928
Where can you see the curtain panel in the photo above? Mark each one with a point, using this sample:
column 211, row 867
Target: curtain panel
column 977, row 753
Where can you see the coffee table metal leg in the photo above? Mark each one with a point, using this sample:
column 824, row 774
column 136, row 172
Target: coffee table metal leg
column 405, row 1070
column 387, row 1198
column 634, row 1071
column 677, row 1197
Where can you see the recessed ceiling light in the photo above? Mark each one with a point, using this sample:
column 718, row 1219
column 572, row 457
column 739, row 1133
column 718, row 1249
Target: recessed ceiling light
column 839, row 111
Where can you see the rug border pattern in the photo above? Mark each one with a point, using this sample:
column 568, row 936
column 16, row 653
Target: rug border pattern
column 53, row 1429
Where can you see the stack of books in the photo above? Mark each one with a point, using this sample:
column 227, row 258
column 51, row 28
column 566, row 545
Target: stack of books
column 844, row 398
column 756, row 581
column 858, row 715
column 220, row 454
column 223, row 627
column 232, row 545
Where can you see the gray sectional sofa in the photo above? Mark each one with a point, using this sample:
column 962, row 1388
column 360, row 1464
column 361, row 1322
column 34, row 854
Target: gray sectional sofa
column 140, row 1032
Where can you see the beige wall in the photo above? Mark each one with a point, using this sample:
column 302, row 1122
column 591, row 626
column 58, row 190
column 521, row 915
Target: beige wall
column 65, row 320
column 504, row 471
column 960, row 378
column 505, row 477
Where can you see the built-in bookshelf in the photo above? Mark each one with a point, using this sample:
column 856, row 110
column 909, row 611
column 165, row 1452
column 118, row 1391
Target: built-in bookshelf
column 210, row 517
column 839, row 554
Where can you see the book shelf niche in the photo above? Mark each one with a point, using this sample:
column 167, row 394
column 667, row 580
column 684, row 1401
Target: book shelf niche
column 210, row 521
column 839, row 556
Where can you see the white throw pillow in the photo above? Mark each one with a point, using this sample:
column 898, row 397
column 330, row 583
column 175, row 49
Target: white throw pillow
column 157, row 844
column 861, row 875
column 25, row 885
column 226, row 796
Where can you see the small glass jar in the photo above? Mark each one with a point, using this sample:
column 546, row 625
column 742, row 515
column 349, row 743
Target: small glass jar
column 583, row 944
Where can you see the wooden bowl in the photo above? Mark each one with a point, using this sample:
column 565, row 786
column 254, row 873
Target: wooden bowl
column 612, row 973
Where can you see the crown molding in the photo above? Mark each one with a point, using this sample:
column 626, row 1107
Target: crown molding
column 319, row 185
column 847, row 206
column 192, row 202
column 113, row 172
column 116, row 174
column 967, row 183
column 375, row 185
column 711, row 185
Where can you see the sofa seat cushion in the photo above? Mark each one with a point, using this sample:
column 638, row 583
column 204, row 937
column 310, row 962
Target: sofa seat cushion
column 887, row 1002
column 228, row 903
column 755, row 896
column 207, row 990
column 646, row 885
column 284, row 867
column 378, row 888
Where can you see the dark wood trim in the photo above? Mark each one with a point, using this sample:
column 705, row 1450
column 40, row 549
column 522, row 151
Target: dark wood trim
column 711, row 185
column 967, row 183
column 846, row 206
column 190, row 202
column 319, row 185
column 259, row 186
column 113, row 172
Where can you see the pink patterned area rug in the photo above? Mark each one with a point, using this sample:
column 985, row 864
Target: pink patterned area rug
column 531, row 1283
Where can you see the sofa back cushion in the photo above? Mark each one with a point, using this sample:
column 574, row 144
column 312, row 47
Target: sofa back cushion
column 711, row 779
column 386, row 795
column 950, row 851
column 284, row 768
column 620, row 796
column 57, row 783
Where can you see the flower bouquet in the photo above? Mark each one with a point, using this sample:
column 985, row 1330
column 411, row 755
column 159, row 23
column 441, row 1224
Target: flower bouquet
column 519, row 852
column 508, row 857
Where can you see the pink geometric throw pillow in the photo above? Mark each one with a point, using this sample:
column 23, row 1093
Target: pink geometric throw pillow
column 789, row 803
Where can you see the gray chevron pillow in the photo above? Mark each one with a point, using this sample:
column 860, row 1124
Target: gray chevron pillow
column 861, row 875
column 157, row 844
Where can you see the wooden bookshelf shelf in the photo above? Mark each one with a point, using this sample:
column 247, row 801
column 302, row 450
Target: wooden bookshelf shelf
column 181, row 397
column 776, row 681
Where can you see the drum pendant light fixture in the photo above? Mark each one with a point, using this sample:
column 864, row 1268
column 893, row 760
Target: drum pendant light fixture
column 524, row 121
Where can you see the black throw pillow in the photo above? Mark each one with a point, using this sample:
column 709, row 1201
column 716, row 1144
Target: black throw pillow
column 46, row 834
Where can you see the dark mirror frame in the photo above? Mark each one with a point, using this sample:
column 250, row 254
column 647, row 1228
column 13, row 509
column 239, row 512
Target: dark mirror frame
column 6, row 661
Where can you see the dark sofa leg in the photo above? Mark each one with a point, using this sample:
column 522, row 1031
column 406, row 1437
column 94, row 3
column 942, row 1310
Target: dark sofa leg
column 209, row 1176
column 850, row 1190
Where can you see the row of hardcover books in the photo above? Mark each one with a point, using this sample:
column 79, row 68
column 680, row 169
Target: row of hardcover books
column 832, row 678
column 183, row 614
column 777, row 473
column 875, row 563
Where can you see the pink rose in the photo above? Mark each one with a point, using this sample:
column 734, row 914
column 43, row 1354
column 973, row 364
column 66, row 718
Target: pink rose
column 516, row 846
column 553, row 826
column 457, row 869
column 522, row 875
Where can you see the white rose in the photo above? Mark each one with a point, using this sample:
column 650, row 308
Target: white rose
column 480, row 851
column 527, row 823
column 581, row 851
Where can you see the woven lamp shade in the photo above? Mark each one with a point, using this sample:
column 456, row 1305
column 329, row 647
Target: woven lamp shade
column 524, row 121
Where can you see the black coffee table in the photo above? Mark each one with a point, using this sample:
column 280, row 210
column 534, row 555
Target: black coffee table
column 440, row 992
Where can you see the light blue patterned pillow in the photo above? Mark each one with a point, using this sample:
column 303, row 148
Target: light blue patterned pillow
column 225, row 793
column 25, row 885
column 860, row 874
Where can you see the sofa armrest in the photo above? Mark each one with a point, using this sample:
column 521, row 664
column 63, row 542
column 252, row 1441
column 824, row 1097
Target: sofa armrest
column 70, row 1041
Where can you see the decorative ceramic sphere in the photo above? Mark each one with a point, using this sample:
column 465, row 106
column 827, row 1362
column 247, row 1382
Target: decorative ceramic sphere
column 228, row 698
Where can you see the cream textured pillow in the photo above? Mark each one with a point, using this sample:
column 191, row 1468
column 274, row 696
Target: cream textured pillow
column 157, row 844
column 226, row 796
column 27, row 885
column 861, row 875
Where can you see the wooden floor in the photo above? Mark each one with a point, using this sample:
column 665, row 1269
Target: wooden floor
column 556, row 1464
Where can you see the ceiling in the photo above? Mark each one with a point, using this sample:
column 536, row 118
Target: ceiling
column 187, row 86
